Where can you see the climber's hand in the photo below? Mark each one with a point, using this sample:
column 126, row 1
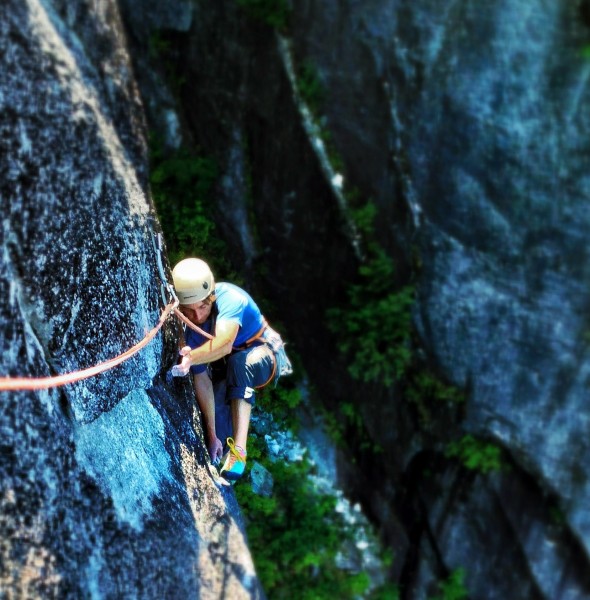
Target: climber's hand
column 215, row 450
column 183, row 367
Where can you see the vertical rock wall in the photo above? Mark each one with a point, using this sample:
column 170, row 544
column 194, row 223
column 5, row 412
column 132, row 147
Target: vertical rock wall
column 104, row 486
column 467, row 125
column 487, row 109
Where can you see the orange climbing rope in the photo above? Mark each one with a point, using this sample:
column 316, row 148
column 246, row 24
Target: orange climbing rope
column 190, row 324
column 39, row 383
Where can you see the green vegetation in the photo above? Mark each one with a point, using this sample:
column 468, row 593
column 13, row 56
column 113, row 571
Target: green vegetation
column 426, row 391
column 272, row 12
column 281, row 402
column 376, row 335
column 426, row 385
column 453, row 588
column 296, row 535
column 346, row 428
column 309, row 87
column 557, row 516
column 375, row 331
column 182, row 184
column 313, row 94
column 158, row 46
column 162, row 50
column 476, row 455
column 374, row 327
column 586, row 52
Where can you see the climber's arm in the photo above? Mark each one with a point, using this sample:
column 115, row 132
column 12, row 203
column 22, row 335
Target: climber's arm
column 221, row 345
column 210, row 351
column 206, row 401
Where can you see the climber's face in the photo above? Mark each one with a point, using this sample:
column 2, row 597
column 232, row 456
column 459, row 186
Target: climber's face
column 198, row 312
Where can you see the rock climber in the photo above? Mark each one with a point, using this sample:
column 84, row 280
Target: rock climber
column 243, row 347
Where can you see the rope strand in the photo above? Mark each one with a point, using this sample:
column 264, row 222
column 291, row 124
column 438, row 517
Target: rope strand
column 190, row 324
column 40, row 383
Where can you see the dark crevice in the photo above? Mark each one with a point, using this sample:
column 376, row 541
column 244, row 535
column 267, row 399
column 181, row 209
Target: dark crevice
column 584, row 12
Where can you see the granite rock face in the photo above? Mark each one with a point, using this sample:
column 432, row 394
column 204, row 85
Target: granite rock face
column 467, row 125
column 105, row 490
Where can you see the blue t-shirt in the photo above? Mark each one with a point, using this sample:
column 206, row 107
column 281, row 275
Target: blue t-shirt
column 233, row 304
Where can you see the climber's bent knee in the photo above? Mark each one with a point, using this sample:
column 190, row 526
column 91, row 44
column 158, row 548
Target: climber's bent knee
column 245, row 393
column 247, row 370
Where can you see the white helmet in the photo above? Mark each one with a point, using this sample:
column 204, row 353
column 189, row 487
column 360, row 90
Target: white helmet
column 193, row 280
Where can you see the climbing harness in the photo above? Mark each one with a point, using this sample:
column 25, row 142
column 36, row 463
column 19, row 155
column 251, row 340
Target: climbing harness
column 257, row 336
column 281, row 363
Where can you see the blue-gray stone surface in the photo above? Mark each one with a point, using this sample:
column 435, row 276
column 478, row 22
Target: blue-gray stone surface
column 104, row 485
column 467, row 125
